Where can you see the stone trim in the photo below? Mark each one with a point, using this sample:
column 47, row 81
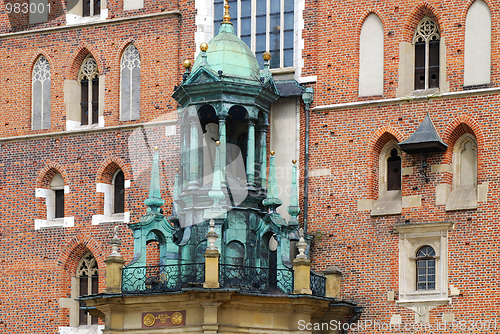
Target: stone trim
column 88, row 24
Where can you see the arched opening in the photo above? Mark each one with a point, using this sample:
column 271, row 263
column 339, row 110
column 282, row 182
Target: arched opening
column 210, row 128
column 153, row 253
column 237, row 141
column 118, row 183
column 426, row 268
column 269, row 258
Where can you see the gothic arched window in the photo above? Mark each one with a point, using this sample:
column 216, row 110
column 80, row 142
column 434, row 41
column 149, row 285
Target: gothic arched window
column 426, row 42
column 130, row 84
column 89, row 84
column 426, row 268
column 87, row 276
column 41, row 94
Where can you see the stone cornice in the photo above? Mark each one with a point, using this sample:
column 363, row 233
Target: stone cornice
column 87, row 131
column 120, row 20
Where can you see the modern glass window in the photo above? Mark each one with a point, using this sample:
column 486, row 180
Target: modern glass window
column 119, row 192
column 264, row 25
column 130, row 84
column 89, row 85
column 426, row 42
column 41, row 94
column 91, row 7
column 426, row 268
column 87, row 275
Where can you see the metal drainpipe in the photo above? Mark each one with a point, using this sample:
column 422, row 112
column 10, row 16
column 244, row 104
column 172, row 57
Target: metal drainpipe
column 307, row 97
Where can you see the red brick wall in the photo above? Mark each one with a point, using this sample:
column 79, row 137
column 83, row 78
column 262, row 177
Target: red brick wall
column 347, row 141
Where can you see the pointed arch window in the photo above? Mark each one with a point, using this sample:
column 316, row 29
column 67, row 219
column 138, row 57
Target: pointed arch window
column 40, row 102
column 130, row 84
column 426, row 41
column 89, row 88
column 87, row 275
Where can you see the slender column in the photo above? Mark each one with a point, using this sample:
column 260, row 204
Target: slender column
column 193, row 156
column 184, row 157
column 263, row 155
column 222, row 140
column 251, row 154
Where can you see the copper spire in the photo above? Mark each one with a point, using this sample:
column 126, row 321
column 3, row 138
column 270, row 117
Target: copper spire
column 226, row 18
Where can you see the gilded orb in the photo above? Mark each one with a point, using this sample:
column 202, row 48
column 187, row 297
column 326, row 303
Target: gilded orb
column 204, row 46
column 294, row 161
column 266, row 56
column 187, row 64
column 272, row 152
column 217, row 143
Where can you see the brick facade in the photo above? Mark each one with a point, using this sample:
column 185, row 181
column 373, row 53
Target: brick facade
column 345, row 138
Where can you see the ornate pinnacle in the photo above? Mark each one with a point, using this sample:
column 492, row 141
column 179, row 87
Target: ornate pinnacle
column 293, row 208
column 272, row 200
column 154, row 201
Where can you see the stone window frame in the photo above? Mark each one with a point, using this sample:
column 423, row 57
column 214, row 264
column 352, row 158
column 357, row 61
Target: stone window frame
column 130, row 61
column 72, row 97
column 57, row 183
column 74, row 14
column 109, row 216
column 406, row 82
column 463, row 197
column 389, row 202
column 40, row 101
column 412, row 237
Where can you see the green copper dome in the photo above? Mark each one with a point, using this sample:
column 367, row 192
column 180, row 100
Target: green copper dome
column 230, row 54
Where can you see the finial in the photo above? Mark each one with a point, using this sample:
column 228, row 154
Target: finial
column 204, row 47
column 301, row 245
column 272, row 152
column 155, row 148
column 294, row 161
column 217, row 143
column 226, row 18
column 187, row 64
column 212, row 236
column 266, row 73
